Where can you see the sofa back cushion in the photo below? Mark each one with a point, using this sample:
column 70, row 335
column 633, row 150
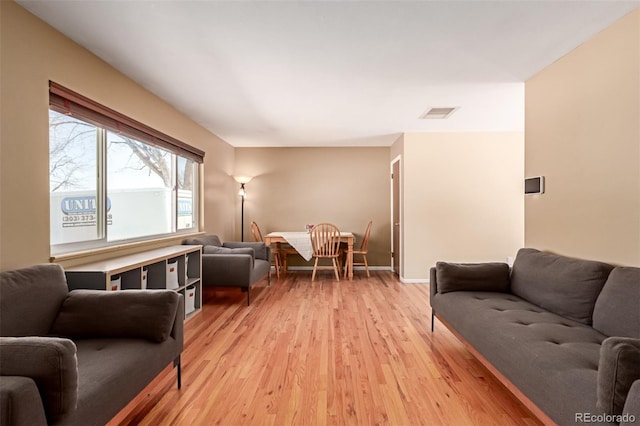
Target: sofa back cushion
column 261, row 251
column 30, row 299
column 563, row 285
column 205, row 240
column 617, row 310
column 472, row 277
column 137, row 314
column 228, row 250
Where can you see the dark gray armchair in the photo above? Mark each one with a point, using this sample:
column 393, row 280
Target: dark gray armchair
column 79, row 357
column 234, row 263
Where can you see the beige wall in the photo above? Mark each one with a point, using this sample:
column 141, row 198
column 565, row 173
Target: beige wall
column 462, row 192
column 583, row 135
column 296, row 186
column 462, row 199
column 34, row 53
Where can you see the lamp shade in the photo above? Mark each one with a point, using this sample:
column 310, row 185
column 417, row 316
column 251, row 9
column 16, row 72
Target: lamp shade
column 243, row 179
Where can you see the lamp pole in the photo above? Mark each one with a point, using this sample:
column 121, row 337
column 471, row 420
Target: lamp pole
column 242, row 180
column 242, row 194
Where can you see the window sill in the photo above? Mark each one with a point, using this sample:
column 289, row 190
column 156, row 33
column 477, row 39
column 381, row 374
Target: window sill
column 127, row 247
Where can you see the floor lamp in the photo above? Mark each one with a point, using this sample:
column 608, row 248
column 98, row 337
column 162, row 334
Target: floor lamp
column 242, row 180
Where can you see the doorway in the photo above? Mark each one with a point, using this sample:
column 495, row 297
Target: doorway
column 395, row 216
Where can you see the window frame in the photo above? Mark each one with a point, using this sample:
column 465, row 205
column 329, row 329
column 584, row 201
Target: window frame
column 68, row 102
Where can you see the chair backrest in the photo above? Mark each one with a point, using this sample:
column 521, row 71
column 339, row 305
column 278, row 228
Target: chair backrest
column 365, row 239
column 325, row 240
column 255, row 230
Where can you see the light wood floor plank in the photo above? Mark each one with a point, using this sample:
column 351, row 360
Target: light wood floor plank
column 325, row 352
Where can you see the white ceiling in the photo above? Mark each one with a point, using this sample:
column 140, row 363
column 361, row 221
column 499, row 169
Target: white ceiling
column 339, row 73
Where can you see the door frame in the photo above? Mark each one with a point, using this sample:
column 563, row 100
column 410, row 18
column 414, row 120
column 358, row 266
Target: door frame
column 398, row 256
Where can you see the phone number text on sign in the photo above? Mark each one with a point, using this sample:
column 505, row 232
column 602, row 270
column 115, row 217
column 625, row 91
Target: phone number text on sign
column 82, row 220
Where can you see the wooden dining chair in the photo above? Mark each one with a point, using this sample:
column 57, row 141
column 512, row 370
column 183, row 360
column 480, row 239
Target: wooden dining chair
column 362, row 251
column 279, row 252
column 325, row 242
column 257, row 235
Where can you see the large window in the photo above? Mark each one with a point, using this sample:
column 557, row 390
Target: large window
column 113, row 180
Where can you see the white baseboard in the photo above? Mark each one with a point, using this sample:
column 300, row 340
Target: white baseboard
column 356, row 268
column 371, row 268
column 414, row 280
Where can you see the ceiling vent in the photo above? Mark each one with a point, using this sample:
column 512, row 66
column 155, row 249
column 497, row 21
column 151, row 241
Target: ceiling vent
column 438, row 113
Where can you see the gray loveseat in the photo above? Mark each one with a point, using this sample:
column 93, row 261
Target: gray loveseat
column 234, row 263
column 562, row 334
column 78, row 358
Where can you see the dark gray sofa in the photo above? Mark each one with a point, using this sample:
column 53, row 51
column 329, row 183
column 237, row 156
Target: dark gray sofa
column 562, row 334
column 78, row 358
column 234, row 263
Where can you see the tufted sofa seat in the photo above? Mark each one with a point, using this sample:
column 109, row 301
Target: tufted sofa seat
column 550, row 360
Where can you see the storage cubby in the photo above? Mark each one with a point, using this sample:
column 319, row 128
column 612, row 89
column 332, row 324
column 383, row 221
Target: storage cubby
column 177, row 268
column 130, row 279
column 194, row 267
column 157, row 275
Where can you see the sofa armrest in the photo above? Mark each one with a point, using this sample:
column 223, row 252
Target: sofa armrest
column 144, row 314
column 177, row 329
column 51, row 362
column 618, row 370
column 631, row 410
column 227, row 270
column 20, row 402
column 433, row 285
column 262, row 251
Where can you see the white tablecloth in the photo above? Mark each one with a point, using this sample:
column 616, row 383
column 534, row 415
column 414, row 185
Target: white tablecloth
column 301, row 241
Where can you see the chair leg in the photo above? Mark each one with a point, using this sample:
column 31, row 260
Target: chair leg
column 277, row 259
column 335, row 268
column 248, row 296
column 433, row 315
column 366, row 265
column 315, row 266
column 346, row 261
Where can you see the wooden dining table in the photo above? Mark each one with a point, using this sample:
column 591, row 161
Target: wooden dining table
column 301, row 238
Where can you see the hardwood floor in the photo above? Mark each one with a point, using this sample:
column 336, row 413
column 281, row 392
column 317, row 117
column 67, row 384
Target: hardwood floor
column 324, row 353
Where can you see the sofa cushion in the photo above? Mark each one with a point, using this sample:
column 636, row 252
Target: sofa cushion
column 144, row 314
column 112, row 372
column 261, row 250
column 617, row 310
column 472, row 277
column 205, row 240
column 227, row 250
column 563, row 285
column 51, row 363
column 30, row 299
column 618, row 368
